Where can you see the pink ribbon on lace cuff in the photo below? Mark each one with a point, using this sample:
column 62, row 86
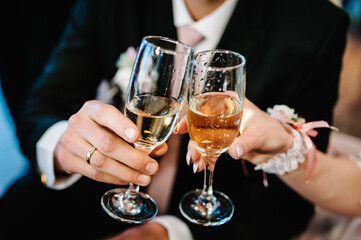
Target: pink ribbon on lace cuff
column 306, row 130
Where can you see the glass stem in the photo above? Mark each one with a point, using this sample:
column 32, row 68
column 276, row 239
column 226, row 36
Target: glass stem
column 206, row 200
column 132, row 204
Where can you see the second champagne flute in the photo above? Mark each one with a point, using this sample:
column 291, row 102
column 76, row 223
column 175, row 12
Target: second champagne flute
column 157, row 88
column 214, row 111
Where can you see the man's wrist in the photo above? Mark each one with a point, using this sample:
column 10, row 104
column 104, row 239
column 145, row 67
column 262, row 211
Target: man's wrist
column 45, row 158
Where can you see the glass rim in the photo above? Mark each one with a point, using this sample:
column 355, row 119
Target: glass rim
column 242, row 64
column 190, row 50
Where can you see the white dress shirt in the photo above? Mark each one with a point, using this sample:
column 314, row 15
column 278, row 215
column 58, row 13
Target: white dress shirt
column 211, row 27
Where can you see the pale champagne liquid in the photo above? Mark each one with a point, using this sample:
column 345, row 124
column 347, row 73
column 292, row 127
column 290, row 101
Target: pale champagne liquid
column 213, row 121
column 154, row 116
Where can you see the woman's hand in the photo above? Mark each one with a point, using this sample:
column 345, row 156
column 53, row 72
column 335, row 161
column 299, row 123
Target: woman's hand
column 261, row 137
column 114, row 161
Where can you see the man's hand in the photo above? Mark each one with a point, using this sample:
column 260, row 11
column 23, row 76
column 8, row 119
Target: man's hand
column 114, row 161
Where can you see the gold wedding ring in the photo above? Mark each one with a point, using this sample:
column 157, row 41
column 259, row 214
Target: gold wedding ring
column 89, row 154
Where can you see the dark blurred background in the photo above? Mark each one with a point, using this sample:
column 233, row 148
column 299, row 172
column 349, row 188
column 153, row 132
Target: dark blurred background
column 29, row 31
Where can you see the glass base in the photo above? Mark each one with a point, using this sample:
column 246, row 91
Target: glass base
column 112, row 203
column 218, row 213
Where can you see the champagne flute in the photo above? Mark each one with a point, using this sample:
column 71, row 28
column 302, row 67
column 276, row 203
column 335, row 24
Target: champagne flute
column 215, row 105
column 157, row 88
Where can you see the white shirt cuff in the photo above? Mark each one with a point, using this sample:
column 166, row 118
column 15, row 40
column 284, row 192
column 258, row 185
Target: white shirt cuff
column 177, row 229
column 356, row 158
column 45, row 157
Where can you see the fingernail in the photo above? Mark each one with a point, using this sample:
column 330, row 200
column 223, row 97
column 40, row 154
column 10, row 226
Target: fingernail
column 175, row 131
column 142, row 178
column 195, row 167
column 188, row 157
column 130, row 133
column 151, row 168
column 239, row 150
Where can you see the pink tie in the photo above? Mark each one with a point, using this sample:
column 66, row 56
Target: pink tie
column 162, row 183
column 189, row 35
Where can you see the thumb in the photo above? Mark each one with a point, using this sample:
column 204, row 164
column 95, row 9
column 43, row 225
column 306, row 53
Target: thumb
column 248, row 141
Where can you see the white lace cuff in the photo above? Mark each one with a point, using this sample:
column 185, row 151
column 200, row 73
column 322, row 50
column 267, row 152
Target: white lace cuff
column 286, row 162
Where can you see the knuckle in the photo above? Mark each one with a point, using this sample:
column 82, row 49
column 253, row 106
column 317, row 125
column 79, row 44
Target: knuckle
column 74, row 119
column 62, row 157
column 60, row 154
column 65, row 138
column 106, row 144
column 135, row 177
column 116, row 180
column 94, row 108
column 98, row 160
column 95, row 175
column 89, row 104
column 121, row 182
column 130, row 177
column 99, row 109
column 138, row 162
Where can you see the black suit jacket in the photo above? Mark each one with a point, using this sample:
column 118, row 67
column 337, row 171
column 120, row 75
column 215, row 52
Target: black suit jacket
column 293, row 51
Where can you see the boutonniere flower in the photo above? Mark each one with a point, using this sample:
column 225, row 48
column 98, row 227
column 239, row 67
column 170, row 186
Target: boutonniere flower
column 124, row 64
column 119, row 83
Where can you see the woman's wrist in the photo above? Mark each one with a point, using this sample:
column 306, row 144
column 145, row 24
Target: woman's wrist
column 302, row 130
column 286, row 162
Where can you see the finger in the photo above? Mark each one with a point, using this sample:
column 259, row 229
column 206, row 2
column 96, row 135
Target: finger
column 114, row 168
column 198, row 166
column 107, row 168
column 160, row 150
column 181, row 127
column 75, row 164
column 111, row 145
column 110, row 117
column 193, row 155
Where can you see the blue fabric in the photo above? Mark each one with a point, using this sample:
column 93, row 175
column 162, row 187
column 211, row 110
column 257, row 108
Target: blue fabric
column 353, row 8
column 12, row 162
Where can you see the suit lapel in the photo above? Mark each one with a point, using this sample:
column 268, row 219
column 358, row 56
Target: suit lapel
column 153, row 19
column 245, row 29
column 134, row 20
